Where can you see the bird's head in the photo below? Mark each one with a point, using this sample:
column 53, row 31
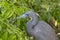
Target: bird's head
column 30, row 14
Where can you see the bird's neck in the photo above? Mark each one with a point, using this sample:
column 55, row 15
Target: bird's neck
column 31, row 24
column 34, row 20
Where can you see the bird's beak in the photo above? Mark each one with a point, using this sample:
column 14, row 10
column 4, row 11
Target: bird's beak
column 22, row 16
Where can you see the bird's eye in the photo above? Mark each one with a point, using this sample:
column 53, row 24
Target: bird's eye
column 27, row 14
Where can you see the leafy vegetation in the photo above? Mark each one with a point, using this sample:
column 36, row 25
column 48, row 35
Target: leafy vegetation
column 49, row 11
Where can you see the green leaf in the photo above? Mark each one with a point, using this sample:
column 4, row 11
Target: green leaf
column 5, row 35
column 12, row 37
column 0, row 28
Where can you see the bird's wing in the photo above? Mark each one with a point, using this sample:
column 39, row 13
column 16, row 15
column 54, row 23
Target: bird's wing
column 45, row 31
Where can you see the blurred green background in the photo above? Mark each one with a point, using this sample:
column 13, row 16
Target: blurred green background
column 48, row 10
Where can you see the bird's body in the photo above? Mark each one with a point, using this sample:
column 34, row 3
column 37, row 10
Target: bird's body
column 39, row 29
column 42, row 31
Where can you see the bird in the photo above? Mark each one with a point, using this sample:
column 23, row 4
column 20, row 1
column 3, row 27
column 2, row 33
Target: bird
column 40, row 29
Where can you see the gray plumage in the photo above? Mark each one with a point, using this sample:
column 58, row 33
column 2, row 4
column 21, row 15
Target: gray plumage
column 39, row 29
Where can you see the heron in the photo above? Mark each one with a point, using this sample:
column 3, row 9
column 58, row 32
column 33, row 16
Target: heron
column 38, row 28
